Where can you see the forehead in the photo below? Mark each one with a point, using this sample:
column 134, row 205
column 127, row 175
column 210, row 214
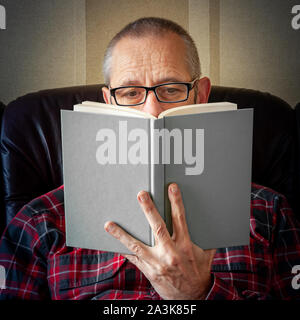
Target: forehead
column 149, row 59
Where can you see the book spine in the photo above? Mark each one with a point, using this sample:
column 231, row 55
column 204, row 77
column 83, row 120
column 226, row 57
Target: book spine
column 157, row 173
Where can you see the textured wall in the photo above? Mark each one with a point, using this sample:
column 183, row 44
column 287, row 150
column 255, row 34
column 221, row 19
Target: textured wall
column 259, row 48
column 199, row 29
column 55, row 43
column 106, row 18
column 251, row 44
column 42, row 47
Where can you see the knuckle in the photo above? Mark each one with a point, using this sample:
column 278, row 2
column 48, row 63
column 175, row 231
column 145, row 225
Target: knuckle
column 162, row 270
column 116, row 233
column 135, row 248
column 187, row 248
column 177, row 198
column 169, row 265
column 155, row 278
column 181, row 216
column 160, row 230
column 149, row 208
column 173, row 261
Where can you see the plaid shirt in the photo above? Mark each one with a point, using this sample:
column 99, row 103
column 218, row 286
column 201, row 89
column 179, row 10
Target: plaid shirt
column 39, row 265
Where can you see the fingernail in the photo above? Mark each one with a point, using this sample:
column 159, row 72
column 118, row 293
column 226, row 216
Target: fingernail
column 174, row 188
column 143, row 197
column 109, row 227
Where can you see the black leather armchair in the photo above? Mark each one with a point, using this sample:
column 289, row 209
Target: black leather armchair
column 30, row 146
column 2, row 210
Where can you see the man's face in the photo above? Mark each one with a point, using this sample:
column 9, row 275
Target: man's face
column 153, row 60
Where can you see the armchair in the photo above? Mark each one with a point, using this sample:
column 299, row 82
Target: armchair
column 30, row 146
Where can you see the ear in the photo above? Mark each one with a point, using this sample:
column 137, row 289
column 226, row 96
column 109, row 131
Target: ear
column 203, row 90
column 106, row 95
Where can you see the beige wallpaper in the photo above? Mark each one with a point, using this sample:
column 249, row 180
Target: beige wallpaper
column 106, row 18
column 42, row 47
column 55, row 43
column 250, row 44
column 259, row 48
column 199, row 28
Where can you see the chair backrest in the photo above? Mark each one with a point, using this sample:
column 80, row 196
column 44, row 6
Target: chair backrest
column 274, row 161
column 297, row 189
column 30, row 143
column 2, row 210
column 31, row 154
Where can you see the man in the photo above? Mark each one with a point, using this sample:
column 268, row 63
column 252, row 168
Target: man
column 151, row 53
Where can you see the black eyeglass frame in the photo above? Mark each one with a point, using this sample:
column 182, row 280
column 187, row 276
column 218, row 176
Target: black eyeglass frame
column 189, row 85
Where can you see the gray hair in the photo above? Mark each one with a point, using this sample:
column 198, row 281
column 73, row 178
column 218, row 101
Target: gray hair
column 153, row 26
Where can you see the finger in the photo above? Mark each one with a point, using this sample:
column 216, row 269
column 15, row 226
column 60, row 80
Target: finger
column 135, row 246
column 180, row 228
column 155, row 220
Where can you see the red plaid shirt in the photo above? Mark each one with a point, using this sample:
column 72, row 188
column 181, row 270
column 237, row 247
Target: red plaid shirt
column 39, row 265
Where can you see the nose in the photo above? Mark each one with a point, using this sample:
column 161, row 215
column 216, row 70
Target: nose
column 152, row 105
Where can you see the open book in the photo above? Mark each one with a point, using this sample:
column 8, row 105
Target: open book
column 110, row 153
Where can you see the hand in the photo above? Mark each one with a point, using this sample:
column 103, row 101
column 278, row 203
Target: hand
column 176, row 268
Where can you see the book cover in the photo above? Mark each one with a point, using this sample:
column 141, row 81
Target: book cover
column 108, row 159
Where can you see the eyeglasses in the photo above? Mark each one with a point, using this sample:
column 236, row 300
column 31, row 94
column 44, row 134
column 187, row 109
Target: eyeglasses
column 167, row 93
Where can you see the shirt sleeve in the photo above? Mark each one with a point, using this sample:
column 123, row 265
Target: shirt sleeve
column 222, row 290
column 284, row 250
column 22, row 258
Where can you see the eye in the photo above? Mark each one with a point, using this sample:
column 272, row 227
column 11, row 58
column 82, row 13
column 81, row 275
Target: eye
column 168, row 91
column 171, row 90
column 129, row 93
column 132, row 93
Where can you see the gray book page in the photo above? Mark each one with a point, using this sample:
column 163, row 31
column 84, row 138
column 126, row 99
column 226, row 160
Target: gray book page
column 217, row 200
column 96, row 193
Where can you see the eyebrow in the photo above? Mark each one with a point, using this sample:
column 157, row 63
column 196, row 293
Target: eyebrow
column 138, row 83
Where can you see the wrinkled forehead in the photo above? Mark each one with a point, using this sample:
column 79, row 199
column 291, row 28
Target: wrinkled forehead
column 152, row 56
